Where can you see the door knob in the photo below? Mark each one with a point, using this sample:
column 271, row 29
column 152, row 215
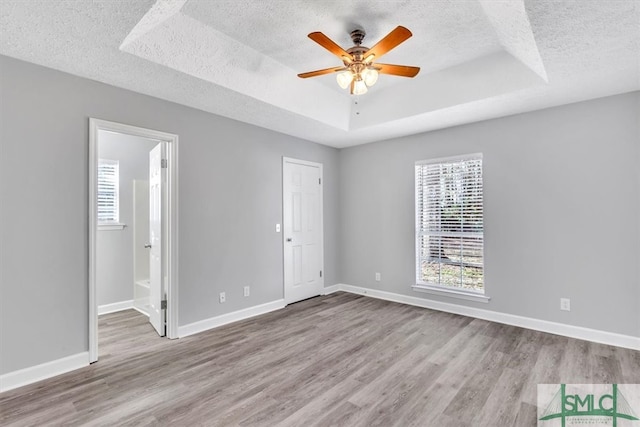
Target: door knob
column 148, row 246
column 289, row 239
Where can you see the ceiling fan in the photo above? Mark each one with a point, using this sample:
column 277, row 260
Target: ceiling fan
column 360, row 71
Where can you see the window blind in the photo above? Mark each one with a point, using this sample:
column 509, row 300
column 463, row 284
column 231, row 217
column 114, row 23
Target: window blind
column 108, row 183
column 449, row 223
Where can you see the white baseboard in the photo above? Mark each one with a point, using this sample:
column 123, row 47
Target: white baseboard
column 116, row 306
column 22, row 377
column 223, row 319
column 141, row 311
column 578, row 332
column 330, row 289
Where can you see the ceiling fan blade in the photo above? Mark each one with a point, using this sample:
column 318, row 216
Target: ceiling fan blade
column 321, row 72
column 397, row 70
column 330, row 45
column 391, row 40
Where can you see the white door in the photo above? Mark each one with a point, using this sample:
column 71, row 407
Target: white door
column 156, row 180
column 302, row 229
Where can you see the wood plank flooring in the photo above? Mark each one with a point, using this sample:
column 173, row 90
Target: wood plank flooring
column 337, row 360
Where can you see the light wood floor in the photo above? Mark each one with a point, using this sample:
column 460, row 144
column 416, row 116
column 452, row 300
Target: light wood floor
column 338, row 360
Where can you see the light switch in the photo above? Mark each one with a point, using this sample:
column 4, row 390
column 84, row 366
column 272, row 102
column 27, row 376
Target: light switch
column 277, row 228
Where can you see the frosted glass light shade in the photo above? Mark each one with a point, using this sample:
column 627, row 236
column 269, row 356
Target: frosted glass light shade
column 370, row 76
column 344, row 79
column 359, row 88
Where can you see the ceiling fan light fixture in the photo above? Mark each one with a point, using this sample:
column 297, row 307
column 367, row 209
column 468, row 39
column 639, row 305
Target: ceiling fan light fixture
column 359, row 87
column 344, row 79
column 370, row 76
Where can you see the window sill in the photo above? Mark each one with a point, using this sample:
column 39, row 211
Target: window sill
column 111, row 227
column 452, row 293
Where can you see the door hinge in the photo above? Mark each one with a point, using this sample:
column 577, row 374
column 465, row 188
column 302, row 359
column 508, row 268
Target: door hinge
column 320, row 273
column 163, row 304
column 320, row 181
column 163, row 163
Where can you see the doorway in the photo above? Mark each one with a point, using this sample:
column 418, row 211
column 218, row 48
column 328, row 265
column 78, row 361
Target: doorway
column 161, row 251
column 303, row 229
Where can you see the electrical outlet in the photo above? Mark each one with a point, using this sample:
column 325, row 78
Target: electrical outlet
column 247, row 291
column 378, row 277
column 565, row 304
column 223, row 297
column 277, row 228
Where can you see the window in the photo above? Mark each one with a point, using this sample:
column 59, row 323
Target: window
column 449, row 225
column 108, row 183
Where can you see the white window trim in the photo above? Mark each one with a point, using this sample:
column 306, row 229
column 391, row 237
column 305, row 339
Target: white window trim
column 451, row 159
column 442, row 290
column 451, row 292
column 111, row 226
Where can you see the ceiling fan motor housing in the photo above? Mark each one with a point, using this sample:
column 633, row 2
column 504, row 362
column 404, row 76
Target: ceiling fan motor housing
column 357, row 36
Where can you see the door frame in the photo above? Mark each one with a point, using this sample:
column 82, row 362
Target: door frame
column 286, row 160
column 171, row 229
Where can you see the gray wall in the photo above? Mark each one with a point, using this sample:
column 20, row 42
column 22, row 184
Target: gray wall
column 230, row 198
column 114, row 248
column 562, row 212
column 562, row 189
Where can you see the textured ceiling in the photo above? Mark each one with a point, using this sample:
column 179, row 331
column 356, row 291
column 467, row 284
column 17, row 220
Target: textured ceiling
column 480, row 59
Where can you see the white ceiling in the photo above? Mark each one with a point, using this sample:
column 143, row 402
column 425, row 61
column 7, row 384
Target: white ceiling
column 479, row 59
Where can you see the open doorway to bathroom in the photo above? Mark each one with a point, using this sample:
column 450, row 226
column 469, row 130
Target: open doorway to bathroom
column 122, row 251
column 133, row 230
